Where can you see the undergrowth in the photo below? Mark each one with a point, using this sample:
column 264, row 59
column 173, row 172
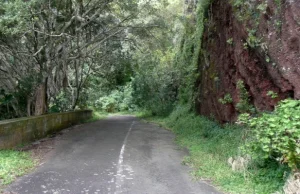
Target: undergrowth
column 14, row 164
column 210, row 145
column 275, row 135
column 96, row 115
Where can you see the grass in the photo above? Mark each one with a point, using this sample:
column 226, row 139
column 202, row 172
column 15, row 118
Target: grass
column 210, row 145
column 102, row 115
column 97, row 116
column 14, row 164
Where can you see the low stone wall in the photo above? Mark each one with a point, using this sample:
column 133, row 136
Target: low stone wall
column 15, row 132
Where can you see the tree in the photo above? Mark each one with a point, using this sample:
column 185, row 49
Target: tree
column 50, row 46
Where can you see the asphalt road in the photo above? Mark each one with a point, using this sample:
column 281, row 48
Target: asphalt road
column 117, row 155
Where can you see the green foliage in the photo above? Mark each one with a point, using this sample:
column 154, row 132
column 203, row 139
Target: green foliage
column 252, row 40
column 96, row 116
column 243, row 9
column 210, row 145
column 118, row 100
column 5, row 104
column 230, row 41
column 14, row 164
column 157, row 76
column 278, row 3
column 276, row 135
column 61, row 103
column 10, row 101
column 249, row 10
column 262, row 7
column 168, row 76
column 188, row 56
column 5, row 98
column 156, row 89
column 278, row 25
column 156, row 82
column 109, row 103
column 226, row 100
column 272, row 94
column 14, row 15
column 244, row 104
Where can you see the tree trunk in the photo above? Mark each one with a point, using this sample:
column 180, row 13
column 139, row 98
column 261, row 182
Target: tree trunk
column 41, row 99
column 76, row 97
column 29, row 106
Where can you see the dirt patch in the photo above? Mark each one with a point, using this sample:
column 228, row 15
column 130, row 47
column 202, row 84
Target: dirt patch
column 42, row 149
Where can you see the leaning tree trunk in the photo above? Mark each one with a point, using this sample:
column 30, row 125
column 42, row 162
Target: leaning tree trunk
column 41, row 99
column 29, row 101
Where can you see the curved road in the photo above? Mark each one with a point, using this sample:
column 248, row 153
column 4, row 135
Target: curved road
column 117, row 155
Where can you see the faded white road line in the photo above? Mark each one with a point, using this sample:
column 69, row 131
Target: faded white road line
column 120, row 172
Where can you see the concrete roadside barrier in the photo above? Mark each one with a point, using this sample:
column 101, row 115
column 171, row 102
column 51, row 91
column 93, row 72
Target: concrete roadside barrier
column 20, row 131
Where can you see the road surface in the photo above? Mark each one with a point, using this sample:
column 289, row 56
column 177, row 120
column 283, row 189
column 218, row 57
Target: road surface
column 120, row 154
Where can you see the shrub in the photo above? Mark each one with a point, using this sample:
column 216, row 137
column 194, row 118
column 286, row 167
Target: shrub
column 108, row 103
column 226, row 100
column 61, row 103
column 276, row 135
column 118, row 100
column 272, row 94
column 156, row 90
column 244, row 105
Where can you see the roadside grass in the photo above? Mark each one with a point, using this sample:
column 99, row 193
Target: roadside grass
column 122, row 113
column 97, row 116
column 14, row 164
column 210, row 145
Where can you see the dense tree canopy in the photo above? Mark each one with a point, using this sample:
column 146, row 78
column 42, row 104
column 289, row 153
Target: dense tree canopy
column 55, row 54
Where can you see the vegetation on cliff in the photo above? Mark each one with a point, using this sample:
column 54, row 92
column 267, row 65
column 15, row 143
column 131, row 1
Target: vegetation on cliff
column 271, row 138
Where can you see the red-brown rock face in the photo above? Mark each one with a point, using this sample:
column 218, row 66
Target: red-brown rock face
column 265, row 55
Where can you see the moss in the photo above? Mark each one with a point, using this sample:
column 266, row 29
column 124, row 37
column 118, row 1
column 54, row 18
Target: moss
column 190, row 53
column 244, row 105
column 227, row 99
column 21, row 131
